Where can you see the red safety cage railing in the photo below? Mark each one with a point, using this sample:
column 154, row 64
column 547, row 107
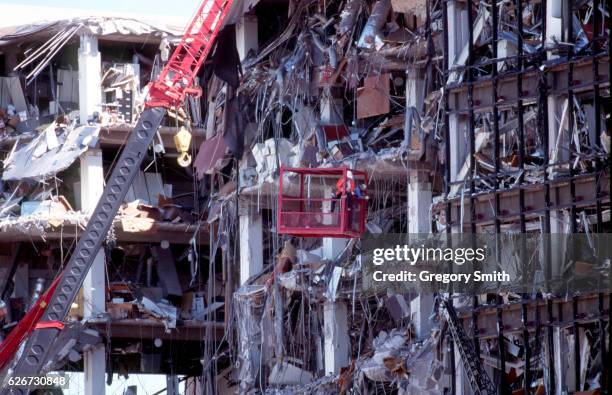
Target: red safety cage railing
column 310, row 203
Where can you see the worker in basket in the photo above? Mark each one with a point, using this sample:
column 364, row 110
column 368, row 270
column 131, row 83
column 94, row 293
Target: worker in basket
column 351, row 190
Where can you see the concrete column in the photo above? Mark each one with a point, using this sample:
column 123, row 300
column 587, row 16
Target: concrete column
column 94, row 366
column 335, row 318
column 331, row 110
column 415, row 88
column 458, row 29
column 458, row 38
column 332, row 247
column 247, row 35
column 557, row 106
column 92, row 179
column 421, row 309
column 335, row 333
column 92, row 186
column 419, row 222
column 554, row 22
column 458, row 143
column 172, row 385
column 563, row 370
column 557, row 117
column 335, row 314
column 251, row 246
column 415, row 91
column 94, row 287
column 419, row 203
column 90, row 74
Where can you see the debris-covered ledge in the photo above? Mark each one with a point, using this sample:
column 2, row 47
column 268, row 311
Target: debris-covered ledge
column 42, row 194
column 51, row 221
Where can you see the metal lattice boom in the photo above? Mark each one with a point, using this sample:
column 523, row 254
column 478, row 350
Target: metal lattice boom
column 176, row 79
column 479, row 379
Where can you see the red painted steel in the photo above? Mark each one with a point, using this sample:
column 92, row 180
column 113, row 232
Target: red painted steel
column 26, row 325
column 175, row 81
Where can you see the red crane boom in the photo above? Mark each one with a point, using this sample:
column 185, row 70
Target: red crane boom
column 175, row 81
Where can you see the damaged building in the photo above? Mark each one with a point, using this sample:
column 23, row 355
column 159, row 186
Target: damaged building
column 237, row 261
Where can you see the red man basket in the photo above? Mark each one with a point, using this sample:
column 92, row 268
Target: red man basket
column 327, row 202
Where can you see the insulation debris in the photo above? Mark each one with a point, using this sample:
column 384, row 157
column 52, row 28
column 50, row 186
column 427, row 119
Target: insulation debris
column 55, row 148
